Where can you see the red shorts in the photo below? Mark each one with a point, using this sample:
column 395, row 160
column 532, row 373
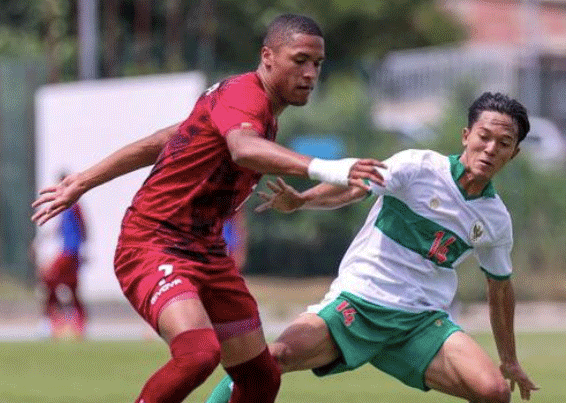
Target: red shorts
column 152, row 279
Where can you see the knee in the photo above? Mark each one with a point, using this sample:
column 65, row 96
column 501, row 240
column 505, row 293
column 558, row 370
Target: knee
column 207, row 359
column 189, row 351
column 282, row 354
column 495, row 391
column 285, row 356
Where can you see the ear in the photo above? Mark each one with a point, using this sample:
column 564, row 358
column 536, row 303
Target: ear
column 517, row 149
column 266, row 56
column 465, row 134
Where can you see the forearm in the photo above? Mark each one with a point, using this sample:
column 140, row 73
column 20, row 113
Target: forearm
column 326, row 196
column 267, row 157
column 502, row 311
column 134, row 156
column 249, row 150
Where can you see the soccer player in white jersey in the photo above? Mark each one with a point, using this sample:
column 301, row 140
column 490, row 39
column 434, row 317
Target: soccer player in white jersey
column 387, row 307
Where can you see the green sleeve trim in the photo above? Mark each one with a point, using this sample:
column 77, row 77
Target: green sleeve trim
column 495, row 277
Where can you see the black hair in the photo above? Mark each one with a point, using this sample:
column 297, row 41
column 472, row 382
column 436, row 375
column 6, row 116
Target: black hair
column 503, row 104
column 282, row 27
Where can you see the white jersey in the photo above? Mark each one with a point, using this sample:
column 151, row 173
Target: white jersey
column 420, row 229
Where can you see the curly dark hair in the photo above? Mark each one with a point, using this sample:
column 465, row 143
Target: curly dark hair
column 503, row 104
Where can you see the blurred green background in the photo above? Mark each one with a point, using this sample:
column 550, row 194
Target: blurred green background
column 45, row 42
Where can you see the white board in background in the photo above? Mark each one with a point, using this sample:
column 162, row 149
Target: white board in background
column 78, row 124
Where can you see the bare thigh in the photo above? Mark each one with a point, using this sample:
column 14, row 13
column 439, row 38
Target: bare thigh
column 305, row 344
column 181, row 316
column 462, row 368
column 190, row 314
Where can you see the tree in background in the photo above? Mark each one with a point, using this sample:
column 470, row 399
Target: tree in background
column 217, row 36
column 222, row 37
column 144, row 36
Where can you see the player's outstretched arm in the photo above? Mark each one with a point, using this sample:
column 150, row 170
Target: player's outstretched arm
column 502, row 310
column 286, row 199
column 55, row 199
column 249, row 150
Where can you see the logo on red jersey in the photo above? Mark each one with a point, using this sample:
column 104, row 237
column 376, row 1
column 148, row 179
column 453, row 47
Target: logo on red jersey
column 165, row 286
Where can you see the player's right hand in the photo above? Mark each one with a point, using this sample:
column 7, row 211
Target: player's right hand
column 516, row 375
column 284, row 198
column 58, row 198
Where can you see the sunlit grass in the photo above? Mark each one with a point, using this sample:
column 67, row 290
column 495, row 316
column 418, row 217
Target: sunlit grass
column 102, row 372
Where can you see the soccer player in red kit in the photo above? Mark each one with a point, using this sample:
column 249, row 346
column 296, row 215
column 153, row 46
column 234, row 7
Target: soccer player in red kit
column 171, row 258
column 62, row 274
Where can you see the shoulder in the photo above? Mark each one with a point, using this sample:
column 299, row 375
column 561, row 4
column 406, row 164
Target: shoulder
column 248, row 84
column 496, row 214
column 499, row 210
column 244, row 92
column 401, row 169
column 415, row 159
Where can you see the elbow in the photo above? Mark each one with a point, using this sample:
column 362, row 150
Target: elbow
column 246, row 157
column 240, row 157
column 243, row 147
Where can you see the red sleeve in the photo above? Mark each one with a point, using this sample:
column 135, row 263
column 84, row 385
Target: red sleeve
column 241, row 102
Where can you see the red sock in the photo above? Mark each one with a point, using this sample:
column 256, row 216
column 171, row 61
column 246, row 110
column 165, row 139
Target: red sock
column 255, row 381
column 195, row 354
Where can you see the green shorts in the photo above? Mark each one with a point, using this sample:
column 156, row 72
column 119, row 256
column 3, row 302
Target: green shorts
column 399, row 343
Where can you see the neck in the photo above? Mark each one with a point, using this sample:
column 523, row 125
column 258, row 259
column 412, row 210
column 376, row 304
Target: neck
column 277, row 104
column 470, row 183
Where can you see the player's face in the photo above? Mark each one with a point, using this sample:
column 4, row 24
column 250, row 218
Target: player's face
column 489, row 144
column 294, row 68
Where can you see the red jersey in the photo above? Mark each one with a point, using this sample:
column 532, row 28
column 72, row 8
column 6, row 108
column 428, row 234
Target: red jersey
column 195, row 186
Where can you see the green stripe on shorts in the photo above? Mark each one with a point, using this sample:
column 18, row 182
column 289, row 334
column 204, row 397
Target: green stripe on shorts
column 399, row 343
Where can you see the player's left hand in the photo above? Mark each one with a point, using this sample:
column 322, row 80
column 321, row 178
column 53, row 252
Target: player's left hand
column 515, row 374
column 366, row 169
column 284, row 198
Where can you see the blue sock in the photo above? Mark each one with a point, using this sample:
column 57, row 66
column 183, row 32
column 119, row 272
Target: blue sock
column 222, row 391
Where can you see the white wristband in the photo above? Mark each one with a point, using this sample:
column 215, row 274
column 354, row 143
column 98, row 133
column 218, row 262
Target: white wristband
column 331, row 171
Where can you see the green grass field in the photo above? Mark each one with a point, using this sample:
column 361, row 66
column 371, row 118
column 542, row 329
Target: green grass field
column 113, row 372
